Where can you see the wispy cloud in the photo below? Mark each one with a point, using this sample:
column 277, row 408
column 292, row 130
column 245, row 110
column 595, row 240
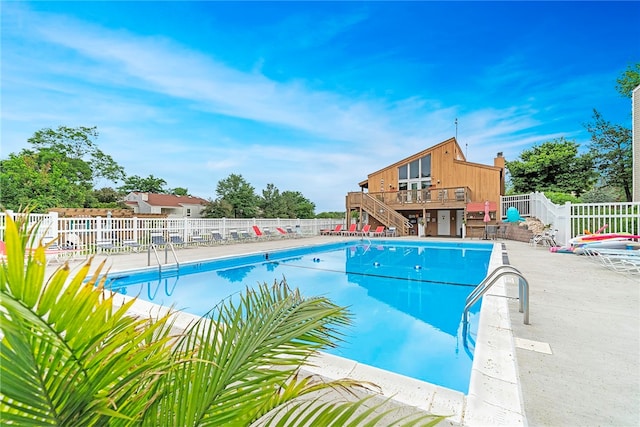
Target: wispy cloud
column 168, row 109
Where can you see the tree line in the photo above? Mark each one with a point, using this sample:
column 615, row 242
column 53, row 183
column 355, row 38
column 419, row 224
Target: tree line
column 62, row 166
column 604, row 173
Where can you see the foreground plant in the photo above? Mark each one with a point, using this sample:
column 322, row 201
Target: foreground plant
column 71, row 357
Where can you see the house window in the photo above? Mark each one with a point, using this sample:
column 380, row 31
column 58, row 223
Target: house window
column 425, row 166
column 414, row 169
column 188, row 212
column 418, row 171
column 402, row 172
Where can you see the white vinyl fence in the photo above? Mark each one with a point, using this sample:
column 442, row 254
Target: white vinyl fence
column 573, row 219
column 89, row 233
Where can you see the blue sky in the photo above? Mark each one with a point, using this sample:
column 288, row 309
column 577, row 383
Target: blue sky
column 310, row 96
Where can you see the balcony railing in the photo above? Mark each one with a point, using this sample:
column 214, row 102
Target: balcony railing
column 453, row 196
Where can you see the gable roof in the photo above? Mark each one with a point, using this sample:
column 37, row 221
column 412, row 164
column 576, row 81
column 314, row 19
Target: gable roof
column 173, row 200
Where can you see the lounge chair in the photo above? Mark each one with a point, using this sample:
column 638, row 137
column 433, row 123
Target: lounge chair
column 157, row 239
column 105, row 245
column 351, row 231
column 131, row 244
column 282, row 232
column 244, row 235
column 177, row 240
column 336, row 231
column 259, row 233
column 234, row 235
column 217, row 237
column 379, row 231
column 197, row 238
column 267, row 233
column 364, row 232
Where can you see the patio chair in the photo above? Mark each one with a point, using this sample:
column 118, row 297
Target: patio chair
column 244, row 235
column 217, row 237
column 234, row 235
column 267, row 233
column 258, row 232
column 282, row 232
column 291, row 232
column 351, row 231
column 197, row 239
column 391, row 232
column 336, row 231
column 157, row 240
column 364, row 232
column 379, row 231
column 177, row 240
column 131, row 245
column 105, row 245
column 491, row 232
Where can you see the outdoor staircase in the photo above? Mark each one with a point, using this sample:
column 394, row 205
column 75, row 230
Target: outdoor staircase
column 388, row 216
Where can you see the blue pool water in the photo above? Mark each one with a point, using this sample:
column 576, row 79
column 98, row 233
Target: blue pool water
column 407, row 298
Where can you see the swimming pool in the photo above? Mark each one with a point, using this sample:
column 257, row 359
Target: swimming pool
column 407, row 297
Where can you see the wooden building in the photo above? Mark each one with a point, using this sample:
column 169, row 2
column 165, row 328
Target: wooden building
column 429, row 193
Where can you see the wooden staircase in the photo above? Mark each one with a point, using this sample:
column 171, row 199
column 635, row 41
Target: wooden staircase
column 383, row 213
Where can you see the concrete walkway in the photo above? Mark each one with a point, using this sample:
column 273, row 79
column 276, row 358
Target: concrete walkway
column 585, row 316
column 590, row 318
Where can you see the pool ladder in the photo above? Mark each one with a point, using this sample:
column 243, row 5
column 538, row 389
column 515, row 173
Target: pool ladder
column 483, row 287
column 168, row 245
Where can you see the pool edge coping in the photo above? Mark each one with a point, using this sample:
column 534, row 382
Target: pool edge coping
column 494, row 395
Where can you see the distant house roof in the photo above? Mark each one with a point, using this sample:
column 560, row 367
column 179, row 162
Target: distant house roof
column 171, row 200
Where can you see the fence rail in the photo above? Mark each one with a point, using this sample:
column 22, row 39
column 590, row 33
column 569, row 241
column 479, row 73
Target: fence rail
column 93, row 232
column 573, row 219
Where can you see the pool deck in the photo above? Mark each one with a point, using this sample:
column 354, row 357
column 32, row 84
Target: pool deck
column 577, row 363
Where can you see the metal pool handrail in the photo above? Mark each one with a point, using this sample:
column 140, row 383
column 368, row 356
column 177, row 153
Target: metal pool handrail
column 503, row 270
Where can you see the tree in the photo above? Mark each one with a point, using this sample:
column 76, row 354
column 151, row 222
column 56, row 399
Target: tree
column 150, row 184
column 77, row 145
column 612, row 153
column 72, row 356
column 179, row 191
column 629, row 80
column 59, row 171
column 336, row 215
column 219, row 208
column 236, row 191
column 271, row 202
column 295, row 205
column 552, row 166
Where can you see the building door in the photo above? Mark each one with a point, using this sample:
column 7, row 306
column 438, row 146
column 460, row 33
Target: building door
column 459, row 222
column 444, row 223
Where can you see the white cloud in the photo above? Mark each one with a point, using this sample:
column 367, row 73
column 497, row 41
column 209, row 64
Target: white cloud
column 181, row 114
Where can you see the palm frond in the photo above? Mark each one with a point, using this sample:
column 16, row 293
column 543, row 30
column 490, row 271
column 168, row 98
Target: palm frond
column 68, row 357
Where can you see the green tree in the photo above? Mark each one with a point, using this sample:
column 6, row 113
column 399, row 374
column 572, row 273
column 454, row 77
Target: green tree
column 59, row 171
column 78, row 146
column 219, row 208
column 295, row 205
column 612, row 153
column 150, row 184
column 629, row 80
column 236, row 191
column 179, row 191
column 72, row 356
column 552, row 166
column 271, row 202
column 601, row 195
column 336, row 215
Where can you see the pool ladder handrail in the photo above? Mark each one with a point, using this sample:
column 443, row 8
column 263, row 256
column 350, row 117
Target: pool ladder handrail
column 487, row 282
column 167, row 246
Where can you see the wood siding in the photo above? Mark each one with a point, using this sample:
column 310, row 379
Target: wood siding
column 450, row 174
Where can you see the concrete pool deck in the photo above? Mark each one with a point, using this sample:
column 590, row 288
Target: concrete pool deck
column 577, row 363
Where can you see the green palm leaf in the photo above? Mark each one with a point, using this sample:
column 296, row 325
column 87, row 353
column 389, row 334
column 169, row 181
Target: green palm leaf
column 68, row 356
